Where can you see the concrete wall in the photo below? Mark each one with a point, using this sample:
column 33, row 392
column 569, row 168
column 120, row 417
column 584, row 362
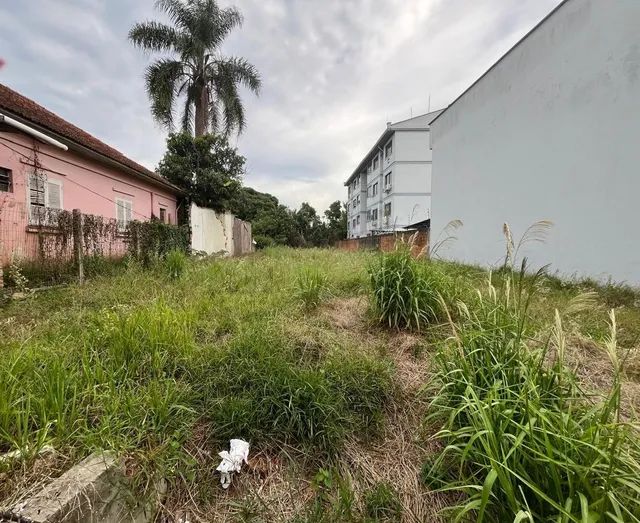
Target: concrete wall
column 551, row 132
column 86, row 184
column 213, row 232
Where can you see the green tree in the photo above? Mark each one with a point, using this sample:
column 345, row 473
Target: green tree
column 205, row 167
column 207, row 82
column 336, row 217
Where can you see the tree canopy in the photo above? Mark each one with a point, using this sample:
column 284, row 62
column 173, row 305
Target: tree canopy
column 206, row 167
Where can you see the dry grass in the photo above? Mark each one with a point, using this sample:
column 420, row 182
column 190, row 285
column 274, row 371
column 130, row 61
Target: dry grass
column 397, row 456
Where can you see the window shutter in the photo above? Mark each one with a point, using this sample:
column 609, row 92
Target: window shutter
column 36, row 189
column 54, row 195
column 120, row 212
column 128, row 212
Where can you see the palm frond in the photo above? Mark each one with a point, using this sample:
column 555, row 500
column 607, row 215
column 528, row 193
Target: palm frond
column 188, row 90
column 241, row 71
column 178, row 12
column 154, row 36
column 161, row 80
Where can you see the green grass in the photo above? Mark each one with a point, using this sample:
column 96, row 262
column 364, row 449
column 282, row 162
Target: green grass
column 137, row 362
column 165, row 363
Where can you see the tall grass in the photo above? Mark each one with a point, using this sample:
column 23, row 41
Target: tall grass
column 409, row 292
column 139, row 364
column 522, row 440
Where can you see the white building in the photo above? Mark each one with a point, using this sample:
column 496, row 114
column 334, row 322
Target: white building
column 551, row 131
column 391, row 187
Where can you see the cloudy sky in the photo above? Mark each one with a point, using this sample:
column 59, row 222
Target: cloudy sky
column 334, row 71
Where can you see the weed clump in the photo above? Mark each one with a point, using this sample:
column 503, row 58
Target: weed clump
column 311, row 287
column 408, row 292
column 523, row 441
column 175, row 263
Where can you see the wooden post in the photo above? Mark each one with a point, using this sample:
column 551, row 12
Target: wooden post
column 78, row 248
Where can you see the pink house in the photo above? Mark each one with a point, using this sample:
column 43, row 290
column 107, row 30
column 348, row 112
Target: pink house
column 48, row 163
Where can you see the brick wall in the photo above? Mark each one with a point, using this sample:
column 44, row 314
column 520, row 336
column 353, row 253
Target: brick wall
column 388, row 242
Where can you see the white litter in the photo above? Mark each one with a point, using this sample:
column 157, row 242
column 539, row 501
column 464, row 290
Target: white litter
column 232, row 460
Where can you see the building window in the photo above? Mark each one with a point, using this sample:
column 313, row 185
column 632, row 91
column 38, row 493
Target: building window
column 375, row 163
column 124, row 211
column 388, row 150
column 353, row 224
column 163, row 215
column 387, row 209
column 45, row 200
column 374, row 189
column 374, row 215
column 358, row 199
column 387, row 180
column 358, row 220
column 5, row 180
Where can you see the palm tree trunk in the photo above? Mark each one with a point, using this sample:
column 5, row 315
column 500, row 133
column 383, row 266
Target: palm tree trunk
column 202, row 103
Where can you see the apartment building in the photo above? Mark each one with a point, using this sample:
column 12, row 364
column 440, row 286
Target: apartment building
column 391, row 187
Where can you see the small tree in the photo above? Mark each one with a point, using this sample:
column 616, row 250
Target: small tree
column 205, row 167
column 336, row 216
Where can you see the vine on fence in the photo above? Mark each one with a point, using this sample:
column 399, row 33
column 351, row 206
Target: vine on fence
column 152, row 239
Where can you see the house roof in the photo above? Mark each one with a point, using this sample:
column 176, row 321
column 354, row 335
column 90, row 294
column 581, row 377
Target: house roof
column 541, row 22
column 417, row 123
column 23, row 108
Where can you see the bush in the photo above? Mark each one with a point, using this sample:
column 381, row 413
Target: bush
column 521, row 438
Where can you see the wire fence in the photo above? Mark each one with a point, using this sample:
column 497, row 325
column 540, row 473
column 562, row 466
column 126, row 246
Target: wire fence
column 45, row 235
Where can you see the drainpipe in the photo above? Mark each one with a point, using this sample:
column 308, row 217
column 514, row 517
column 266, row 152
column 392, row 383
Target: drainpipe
column 29, row 130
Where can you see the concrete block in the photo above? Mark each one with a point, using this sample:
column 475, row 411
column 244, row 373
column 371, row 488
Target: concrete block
column 93, row 491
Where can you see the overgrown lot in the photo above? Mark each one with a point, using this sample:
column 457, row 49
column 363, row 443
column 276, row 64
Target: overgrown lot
column 371, row 388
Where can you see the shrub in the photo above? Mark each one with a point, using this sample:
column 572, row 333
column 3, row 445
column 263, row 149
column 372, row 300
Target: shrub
column 175, row 263
column 521, row 438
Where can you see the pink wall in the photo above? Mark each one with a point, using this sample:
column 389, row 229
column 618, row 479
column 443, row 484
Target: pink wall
column 88, row 185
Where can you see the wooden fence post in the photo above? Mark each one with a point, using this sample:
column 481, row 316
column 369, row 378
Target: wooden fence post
column 78, row 249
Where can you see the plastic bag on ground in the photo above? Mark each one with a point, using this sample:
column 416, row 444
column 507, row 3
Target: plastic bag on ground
column 232, row 460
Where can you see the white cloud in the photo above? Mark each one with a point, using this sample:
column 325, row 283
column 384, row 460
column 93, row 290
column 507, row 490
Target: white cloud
column 334, row 72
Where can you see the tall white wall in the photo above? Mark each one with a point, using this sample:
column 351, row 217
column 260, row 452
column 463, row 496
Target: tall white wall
column 551, row 132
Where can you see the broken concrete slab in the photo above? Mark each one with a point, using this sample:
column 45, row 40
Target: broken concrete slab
column 93, row 491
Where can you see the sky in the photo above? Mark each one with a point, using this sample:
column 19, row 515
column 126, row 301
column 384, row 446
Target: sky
column 333, row 72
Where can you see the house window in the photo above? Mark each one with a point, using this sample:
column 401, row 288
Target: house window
column 5, row 180
column 388, row 150
column 387, row 180
column 45, row 199
column 387, row 209
column 163, row 215
column 124, row 211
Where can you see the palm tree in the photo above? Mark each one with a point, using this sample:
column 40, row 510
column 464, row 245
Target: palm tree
column 206, row 82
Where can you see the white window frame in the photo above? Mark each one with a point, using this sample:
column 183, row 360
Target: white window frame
column 122, row 227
